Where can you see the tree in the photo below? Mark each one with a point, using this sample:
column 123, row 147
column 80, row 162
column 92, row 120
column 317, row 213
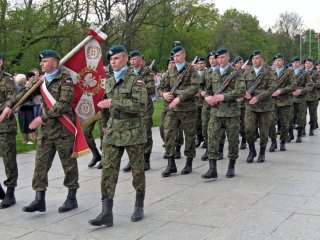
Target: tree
column 289, row 23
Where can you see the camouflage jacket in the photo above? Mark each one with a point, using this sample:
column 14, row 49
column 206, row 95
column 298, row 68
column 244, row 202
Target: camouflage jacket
column 125, row 126
column 316, row 80
column 305, row 84
column 263, row 92
column 205, row 83
column 287, row 86
column 61, row 88
column 236, row 89
column 313, row 94
column 8, row 91
column 199, row 100
column 187, row 89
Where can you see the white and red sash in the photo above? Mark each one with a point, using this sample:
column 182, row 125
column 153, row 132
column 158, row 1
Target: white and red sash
column 80, row 146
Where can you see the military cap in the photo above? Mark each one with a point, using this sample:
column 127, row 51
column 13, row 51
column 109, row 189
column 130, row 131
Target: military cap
column 221, row 51
column 199, row 59
column 237, row 59
column 212, row 53
column 317, row 63
column 48, row 53
column 255, row 53
column 308, row 59
column 115, row 49
column 2, row 56
column 295, row 58
column 278, row 55
column 169, row 59
column 176, row 49
column 135, row 53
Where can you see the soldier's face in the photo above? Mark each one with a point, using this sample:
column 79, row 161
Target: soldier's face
column 213, row 61
column 257, row 61
column 239, row 64
column 279, row 63
column 118, row 61
column 49, row 65
column 179, row 57
column 318, row 67
column 136, row 61
column 223, row 60
column 308, row 64
column 295, row 64
column 171, row 64
column 201, row 65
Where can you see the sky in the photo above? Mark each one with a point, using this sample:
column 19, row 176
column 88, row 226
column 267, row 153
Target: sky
column 268, row 11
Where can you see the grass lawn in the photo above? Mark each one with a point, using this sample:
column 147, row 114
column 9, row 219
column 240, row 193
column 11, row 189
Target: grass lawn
column 156, row 119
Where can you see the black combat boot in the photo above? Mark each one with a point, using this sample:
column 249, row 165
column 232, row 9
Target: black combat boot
column 106, row 216
column 231, row 172
column 70, row 203
column 2, row 193
column 147, row 161
column 171, row 168
column 311, row 132
column 188, row 167
column 137, row 214
column 178, row 152
column 127, row 168
column 100, row 166
column 204, row 144
column 9, row 198
column 199, row 140
column 299, row 135
column 204, row 157
column 221, row 151
column 96, row 158
column 262, row 155
column 273, row 145
column 283, row 145
column 243, row 144
column 252, row 153
column 39, row 204
column 212, row 171
column 290, row 136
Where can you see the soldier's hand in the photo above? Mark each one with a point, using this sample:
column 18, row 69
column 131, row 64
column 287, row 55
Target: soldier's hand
column 167, row 96
column 276, row 93
column 253, row 101
column 210, row 100
column 203, row 93
column 35, row 123
column 240, row 100
column 218, row 98
column 297, row 92
column 5, row 114
column 104, row 103
column 247, row 96
column 174, row 103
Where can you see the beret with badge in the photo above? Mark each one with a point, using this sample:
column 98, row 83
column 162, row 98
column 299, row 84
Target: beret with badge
column 48, row 53
column 115, row 49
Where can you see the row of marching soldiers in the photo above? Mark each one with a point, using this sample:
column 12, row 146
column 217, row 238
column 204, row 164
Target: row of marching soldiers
column 248, row 96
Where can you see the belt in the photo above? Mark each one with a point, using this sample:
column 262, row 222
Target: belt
column 120, row 115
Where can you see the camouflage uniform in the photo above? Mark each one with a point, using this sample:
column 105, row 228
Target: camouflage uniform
column 125, row 131
column 312, row 102
column 8, row 130
column 199, row 100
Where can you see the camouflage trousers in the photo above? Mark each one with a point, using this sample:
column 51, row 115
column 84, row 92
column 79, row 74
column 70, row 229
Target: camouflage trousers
column 216, row 129
column 312, row 107
column 299, row 113
column 147, row 120
column 283, row 115
column 88, row 134
column 111, row 159
column 252, row 119
column 179, row 138
column 187, row 121
column 45, row 152
column 9, row 155
column 242, row 124
column 199, row 121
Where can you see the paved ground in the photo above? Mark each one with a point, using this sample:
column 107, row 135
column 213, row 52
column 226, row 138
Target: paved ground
column 278, row 199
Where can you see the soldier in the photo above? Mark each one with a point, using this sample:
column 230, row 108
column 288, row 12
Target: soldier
column 312, row 96
column 182, row 110
column 54, row 134
column 260, row 105
column 88, row 133
column 285, row 84
column 8, row 132
column 304, row 85
column 126, row 98
column 135, row 58
column 224, row 115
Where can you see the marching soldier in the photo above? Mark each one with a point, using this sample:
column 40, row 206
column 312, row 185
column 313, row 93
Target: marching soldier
column 126, row 98
column 259, row 105
column 135, row 58
column 8, row 132
column 285, row 84
column 182, row 110
column 54, row 134
column 224, row 115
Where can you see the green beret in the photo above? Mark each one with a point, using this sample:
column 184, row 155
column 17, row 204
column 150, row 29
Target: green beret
column 317, row 63
column 212, row 53
column 176, row 49
column 237, row 59
column 295, row 58
column 115, row 49
column 2, row 56
column 308, row 59
column 135, row 53
column 278, row 55
column 221, row 51
column 199, row 59
column 255, row 53
column 48, row 53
